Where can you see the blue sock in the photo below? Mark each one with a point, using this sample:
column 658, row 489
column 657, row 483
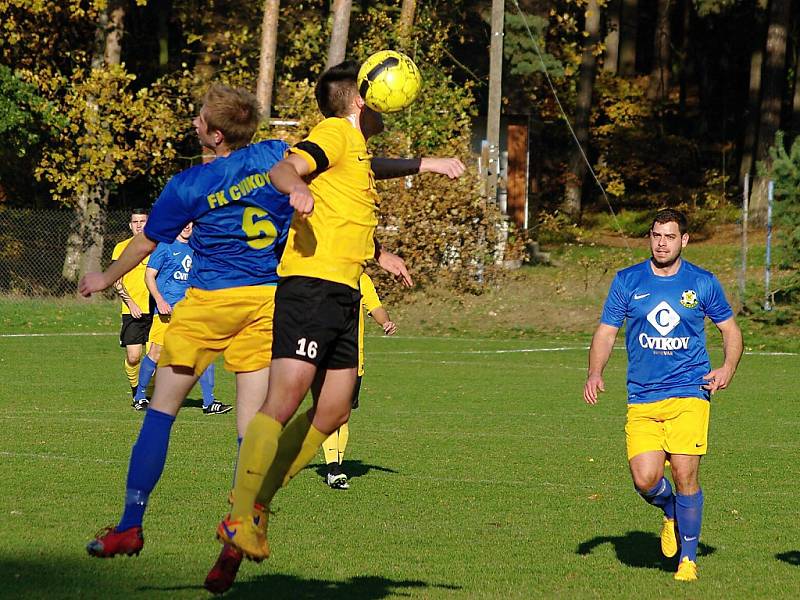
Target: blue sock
column 146, row 370
column 207, row 385
column 148, row 456
column 662, row 497
column 689, row 510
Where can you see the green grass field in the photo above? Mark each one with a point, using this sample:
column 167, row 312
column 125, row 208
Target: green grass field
column 477, row 472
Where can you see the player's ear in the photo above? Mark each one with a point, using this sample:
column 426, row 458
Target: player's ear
column 684, row 240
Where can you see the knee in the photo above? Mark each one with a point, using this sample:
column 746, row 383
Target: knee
column 134, row 357
column 644, row 481
column 686, row 484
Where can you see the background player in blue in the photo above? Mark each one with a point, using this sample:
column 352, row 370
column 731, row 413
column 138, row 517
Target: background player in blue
column 167, row 279
column 240, row 223
column 664, row 301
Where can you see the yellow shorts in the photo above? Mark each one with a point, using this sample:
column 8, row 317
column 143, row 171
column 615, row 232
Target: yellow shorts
column 236, row 322
column 674, row 425
column 158, row 329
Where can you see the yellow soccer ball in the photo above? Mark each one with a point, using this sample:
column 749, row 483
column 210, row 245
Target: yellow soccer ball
column 389, row 81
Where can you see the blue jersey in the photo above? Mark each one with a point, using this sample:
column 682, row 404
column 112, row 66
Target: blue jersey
column 665, row 332
column 173, row 263
column 240, row 220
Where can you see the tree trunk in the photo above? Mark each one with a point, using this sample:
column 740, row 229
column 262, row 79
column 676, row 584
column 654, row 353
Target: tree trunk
column 583, row 108
column 85, row 242
column 266, row 62
column 627, row 37
column 406, row 25
column 751, row 124
column 773, row 85
column 339, row 30
column 683, row 60
column 795, row 128
column 658, row 89
column 611, row 59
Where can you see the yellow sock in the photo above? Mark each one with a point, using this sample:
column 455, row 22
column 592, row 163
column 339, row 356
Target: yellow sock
column 344, row 435
column 331, row 448
column 132, row 371
column 309, row 448
column 259, row 447
column 289, row 446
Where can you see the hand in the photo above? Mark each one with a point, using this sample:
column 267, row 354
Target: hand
column 163, row 307
column 301, row 200
column 396, row 266
column 718, row 379
column 593, row 385
column 389, row 328
column 91, row 283
column 452, row 167
column 136, row 312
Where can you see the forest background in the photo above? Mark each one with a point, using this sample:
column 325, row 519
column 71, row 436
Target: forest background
column 676, row 102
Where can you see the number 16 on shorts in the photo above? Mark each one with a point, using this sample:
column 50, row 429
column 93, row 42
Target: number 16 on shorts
column 306, row 348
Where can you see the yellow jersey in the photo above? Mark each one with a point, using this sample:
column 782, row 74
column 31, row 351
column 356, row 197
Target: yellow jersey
column 369, row 302
column 335, row 242
column 134, row 281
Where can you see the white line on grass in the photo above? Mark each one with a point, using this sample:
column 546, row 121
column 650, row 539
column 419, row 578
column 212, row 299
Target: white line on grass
column 400, row 352
column 70, row 334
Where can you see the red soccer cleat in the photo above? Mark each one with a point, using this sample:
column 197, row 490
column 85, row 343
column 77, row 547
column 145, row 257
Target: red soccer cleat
column 222, row 575
column 109, row 542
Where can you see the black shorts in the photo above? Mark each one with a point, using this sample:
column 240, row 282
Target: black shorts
column 354, row 401
column 134, row 331
column 316, row 321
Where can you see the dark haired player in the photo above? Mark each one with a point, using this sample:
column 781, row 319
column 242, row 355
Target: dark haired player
column 665, row 301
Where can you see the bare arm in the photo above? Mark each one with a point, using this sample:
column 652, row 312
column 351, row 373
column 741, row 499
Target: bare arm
column 732, row 346
column 123, row 294
column 381, row 317
column 394, row 264
column 287, row 177
column 599, row 353
column 139, row 247
column 163, row 306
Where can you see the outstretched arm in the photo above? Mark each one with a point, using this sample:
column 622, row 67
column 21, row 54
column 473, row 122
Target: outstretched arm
column 139, row 247
column 389, row 168
column 732, row 346
column 599, row 353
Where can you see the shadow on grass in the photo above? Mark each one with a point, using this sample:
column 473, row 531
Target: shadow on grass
column 353, row 469
column 290, row 586
column 792, row 557
column 192, row 403
column 639, row 549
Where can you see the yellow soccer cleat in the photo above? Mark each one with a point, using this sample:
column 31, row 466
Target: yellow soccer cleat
column 669, row 541
column 260, row 514
column 245, row 536
column 687, row 570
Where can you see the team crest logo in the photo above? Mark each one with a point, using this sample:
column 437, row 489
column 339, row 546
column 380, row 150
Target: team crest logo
column 689, row 299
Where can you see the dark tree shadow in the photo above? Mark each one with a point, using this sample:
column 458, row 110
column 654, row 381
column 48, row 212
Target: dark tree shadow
column 353, row 469
column 792, row 557
column 639, row 549
column 297, row 588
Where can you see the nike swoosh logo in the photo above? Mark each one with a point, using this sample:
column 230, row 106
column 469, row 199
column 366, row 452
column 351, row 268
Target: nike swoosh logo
column 362, row 158
column 689, row 539
column 175, row 253
column 228, row 532
column 249, row 472
column 698, row 445
column 640, row 296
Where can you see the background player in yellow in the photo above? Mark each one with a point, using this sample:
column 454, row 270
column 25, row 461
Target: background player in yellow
column 136, row 317
column 336, row 444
